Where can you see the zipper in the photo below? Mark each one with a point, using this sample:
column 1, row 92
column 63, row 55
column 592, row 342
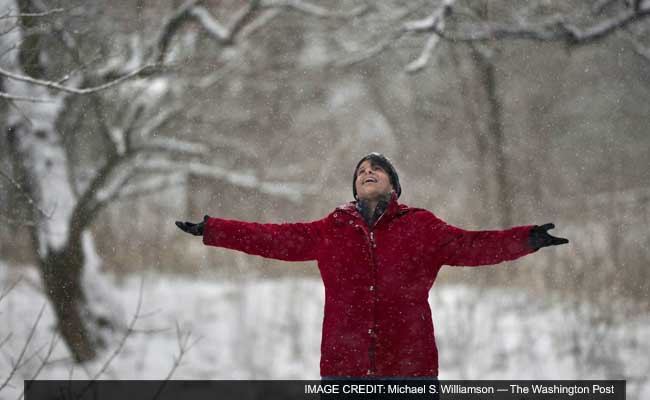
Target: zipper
column 378, row 219
column 373, row 339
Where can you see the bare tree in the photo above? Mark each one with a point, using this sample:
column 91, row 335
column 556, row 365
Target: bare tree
column 479, row 27
column 134, row 161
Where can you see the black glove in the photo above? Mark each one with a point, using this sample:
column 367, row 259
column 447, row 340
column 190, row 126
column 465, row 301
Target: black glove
column 539, row 237
column 192, row 228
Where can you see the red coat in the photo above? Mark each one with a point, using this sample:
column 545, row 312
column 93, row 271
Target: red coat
column 377, row 317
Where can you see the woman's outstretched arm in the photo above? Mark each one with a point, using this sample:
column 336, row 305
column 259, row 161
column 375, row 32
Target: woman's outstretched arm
column 286, row 241
column 460, row 247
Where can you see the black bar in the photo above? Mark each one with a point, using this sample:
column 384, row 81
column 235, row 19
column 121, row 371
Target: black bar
column 326, row 389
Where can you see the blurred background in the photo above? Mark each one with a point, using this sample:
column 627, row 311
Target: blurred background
column 121, row 117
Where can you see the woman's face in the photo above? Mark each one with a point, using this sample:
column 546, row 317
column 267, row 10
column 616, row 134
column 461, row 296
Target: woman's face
column 372, row 182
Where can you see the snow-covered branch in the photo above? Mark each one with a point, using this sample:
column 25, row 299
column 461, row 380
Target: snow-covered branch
column 420, row 62
column 30, row 99
column 211, row 24
column 437, row 20
column 73, row 90
column 169, row 28
column 553, row 28
column 172, row 145
column 160, row 119
column 152, row 185
column 315, row 10
column 245, row 179
column 379, row 45
column 468, row 27
column 112, row 185
column 225, row 33
column 40, row 14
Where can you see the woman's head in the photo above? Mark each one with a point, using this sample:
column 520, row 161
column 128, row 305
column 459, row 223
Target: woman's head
column 375, row 177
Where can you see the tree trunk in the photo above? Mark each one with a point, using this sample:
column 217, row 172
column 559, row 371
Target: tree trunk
column 495, row 129
column 40, row 163
column 40, row 159
column 469, row 93
column 61, row 274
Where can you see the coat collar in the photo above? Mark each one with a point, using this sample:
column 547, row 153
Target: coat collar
column 392, row 210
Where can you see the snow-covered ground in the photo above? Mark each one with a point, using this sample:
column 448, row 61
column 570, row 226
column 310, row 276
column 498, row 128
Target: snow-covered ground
column 271, row 330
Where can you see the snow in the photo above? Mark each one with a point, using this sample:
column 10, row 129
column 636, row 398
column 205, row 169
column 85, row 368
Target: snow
column 270, row 329
column 98, row 291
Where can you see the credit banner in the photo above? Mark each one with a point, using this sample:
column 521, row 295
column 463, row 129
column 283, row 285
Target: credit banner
column 326, row 389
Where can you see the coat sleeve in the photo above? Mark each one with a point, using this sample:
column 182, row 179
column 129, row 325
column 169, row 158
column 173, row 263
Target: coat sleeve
column 460, row 247
column 287, row 241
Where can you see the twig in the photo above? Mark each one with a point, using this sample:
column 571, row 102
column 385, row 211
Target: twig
column 44, row 362
column 6, row 339
column 24, row 349
column 25, row 194
column 128, row 332
column 120, row 346
column 382, row 45
column 183, row 347
column 11, row 287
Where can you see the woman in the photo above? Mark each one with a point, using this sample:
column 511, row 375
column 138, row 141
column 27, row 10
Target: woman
column 377, row 259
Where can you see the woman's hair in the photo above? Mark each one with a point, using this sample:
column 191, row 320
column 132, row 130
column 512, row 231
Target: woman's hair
column 378, row 160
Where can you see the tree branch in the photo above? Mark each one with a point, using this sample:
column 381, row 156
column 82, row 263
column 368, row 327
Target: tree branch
column 24, row 193
column 67, row 89
column 11, row 97
column 380, row 45
column 639, row 48
column 292, row 191
column 437, row 20
column 558, row 27
column 151, row 186
column 174, row 146
column 129, row 331
column 555, row 28
column 41, row 14
column 419, row 63
column 169, row 28
column 160, row 119
column 372, row 51
column 53, row 342
column 315, row 10
column 28, row 340
column 11, row 287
